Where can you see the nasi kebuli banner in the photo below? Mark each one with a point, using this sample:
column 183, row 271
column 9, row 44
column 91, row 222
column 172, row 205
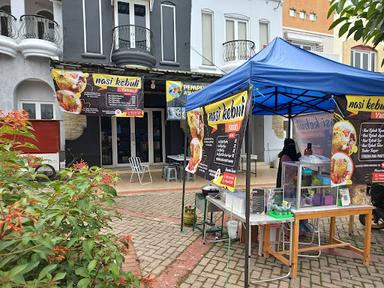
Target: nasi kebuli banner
column 358, row 140
column 217, row 132
column 314, row 128
column 176, row 95
column 98, row 94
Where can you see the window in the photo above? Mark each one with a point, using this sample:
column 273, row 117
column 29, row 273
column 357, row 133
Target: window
column 364, row 58
column 235, row 29
column 92, row 22
column 307, row 47
column 168, row 32
column 312, row 16
column 263, row 34
column 292, row 12
column 302, row 15
column 132, row 18
column 38, row 110
column 207, row 38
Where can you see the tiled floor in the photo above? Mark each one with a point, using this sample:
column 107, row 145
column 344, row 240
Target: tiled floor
column 153, row 220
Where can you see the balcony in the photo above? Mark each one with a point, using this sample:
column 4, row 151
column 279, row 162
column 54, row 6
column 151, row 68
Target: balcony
column 236, row 52
column 132, row 46
column 8, row 34
column 40, row 37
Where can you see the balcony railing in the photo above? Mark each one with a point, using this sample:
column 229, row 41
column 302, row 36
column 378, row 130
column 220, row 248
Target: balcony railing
column 7, row 25
column 38, row 27
column 237, row 50
column 132, row 37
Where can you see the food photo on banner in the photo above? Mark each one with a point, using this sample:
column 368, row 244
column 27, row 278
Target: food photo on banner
column 217, row 132
column 176, row 95
column 98, row 94
column 358, row 141
column 314, row 128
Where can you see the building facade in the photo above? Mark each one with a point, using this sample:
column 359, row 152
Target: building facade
column 30, row 36
column 143, row 38
column 305, row 24
column 223, row 36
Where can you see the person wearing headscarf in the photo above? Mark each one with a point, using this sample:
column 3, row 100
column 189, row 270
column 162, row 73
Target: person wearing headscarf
column 288, row 153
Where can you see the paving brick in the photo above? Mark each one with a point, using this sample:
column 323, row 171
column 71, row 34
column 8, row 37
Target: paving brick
column 150, row 219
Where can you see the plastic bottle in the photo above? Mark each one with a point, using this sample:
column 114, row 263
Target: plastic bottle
column 308, row 150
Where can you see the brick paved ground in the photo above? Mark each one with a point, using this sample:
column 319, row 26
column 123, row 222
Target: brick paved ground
column 153, row 221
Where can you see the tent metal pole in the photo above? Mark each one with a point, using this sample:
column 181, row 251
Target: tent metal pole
column 289, row 120
column 248, row 201
column 184, row 174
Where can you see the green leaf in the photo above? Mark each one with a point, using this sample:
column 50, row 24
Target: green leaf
column 83, row 283
column 59, row 218
column 92, row 265
column 88, row 246
column 82, row 271
column 337, row 22
column 46, row 270
column 344, row 28
column 15, row 271
column 358, row 34
column 31, row 266
column 114, row 270
column 332, row 9
column 59, row 276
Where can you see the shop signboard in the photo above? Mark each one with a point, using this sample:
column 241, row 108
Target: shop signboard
column 98, row 94
column 358, row 140
column 217, row 132
column 176, row 95
column 314, row 128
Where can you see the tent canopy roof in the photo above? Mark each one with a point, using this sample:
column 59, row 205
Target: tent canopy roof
column 288, row 80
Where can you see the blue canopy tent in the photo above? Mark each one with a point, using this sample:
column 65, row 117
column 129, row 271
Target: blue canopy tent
column 288, row 81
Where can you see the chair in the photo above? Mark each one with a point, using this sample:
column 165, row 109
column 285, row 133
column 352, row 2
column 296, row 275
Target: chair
column 139, row 169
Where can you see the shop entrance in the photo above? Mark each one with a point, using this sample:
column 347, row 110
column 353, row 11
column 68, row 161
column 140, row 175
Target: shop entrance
column 122, row 138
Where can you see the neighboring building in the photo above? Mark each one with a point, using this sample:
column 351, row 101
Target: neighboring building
column 360, row 55
column 225, row 34
column 305, row 24
column 30, row 36
column 132, row 37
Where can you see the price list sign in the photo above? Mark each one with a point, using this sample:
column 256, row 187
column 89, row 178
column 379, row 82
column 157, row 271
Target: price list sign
column 358, row 141
column 217, row 132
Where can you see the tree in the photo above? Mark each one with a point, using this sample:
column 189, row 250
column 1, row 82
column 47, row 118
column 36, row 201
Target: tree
column 364, row 19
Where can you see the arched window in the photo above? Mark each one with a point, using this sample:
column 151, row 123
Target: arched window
column 364, row 57
column 45, row 14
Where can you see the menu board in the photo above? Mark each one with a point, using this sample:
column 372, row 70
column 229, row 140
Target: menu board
column 176, row 95
column 315, row 128
column 97, row 94
column 358, row 140
column 217, row 132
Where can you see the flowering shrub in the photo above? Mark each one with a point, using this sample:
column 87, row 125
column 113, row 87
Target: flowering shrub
column 56, row 233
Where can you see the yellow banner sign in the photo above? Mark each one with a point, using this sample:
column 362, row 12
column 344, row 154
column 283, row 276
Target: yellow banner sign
column 356, row 104
column 106, row 80
column 229, row 110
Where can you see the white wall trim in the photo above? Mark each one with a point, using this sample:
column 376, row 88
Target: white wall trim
column 100, row 29
column 306, row 31
column 162, row 31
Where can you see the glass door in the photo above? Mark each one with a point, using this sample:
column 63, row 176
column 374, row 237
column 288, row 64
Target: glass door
column 133, row 17
column 142, row 138
column 122, row 138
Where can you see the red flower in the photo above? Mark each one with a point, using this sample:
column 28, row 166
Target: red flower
column 107, row 178
column 14, row 119
column 122, row 280
column 80, row 165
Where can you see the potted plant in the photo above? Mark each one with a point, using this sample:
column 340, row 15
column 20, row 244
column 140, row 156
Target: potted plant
column 189, row 214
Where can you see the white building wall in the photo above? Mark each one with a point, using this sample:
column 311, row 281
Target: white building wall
column 31, row 73
column 254, row 10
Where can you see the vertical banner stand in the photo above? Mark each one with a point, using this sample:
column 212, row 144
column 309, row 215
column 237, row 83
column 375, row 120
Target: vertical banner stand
column 248, row 197
column 184, row 174
column 289, row 120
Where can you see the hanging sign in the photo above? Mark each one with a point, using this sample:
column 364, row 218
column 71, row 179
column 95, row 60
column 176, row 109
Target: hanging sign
column 98, row 94
column 358, row 140
column 315, row 128
column 217, row 132
column 176, row 95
